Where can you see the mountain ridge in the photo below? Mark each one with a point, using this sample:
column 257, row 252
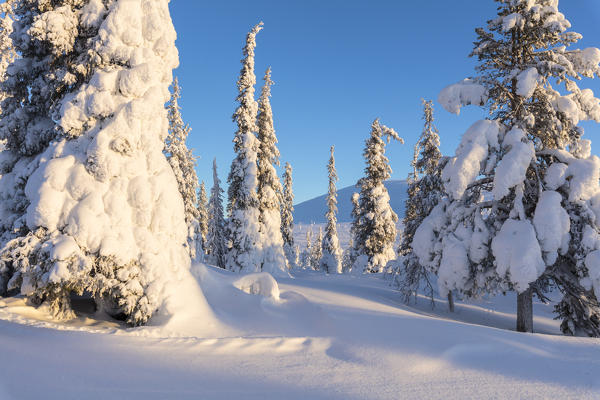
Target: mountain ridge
column 313, row 210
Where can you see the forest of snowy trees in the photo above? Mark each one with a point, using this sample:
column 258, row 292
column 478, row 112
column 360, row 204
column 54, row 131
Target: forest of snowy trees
column 100, row 197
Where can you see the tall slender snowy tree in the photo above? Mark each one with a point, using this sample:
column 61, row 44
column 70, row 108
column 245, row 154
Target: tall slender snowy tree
column 317, row 251
column 331, row 261
column 374, row 221
column 306, row 256
column 348, row 256
column 269, row 186
column 522, row 186
column 287, row 217
column 202, row 207
column 94, row 204
column 245, row 253
column 216, row 240
column 183, row 163
column 425, row 189
column 352, row 253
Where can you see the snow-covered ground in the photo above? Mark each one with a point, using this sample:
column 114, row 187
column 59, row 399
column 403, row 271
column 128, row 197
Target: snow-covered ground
column 311, row 336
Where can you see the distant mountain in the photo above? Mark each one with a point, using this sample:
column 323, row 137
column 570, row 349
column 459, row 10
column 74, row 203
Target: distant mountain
column 313, row 211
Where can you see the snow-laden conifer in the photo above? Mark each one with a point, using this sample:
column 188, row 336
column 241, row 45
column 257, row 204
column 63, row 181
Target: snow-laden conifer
column 202, row 207
column 7, row 50
column 245, row 252
column 183, row 163
column 287, row 217
column 522, row 186
column 295, row 256
column 425, row 190
column 89, row 198
column 374, row 221
column 317, row 251
column 216, row 239
column 306, row 258
column 274, row 260
column 331, row 261
column 349, row 256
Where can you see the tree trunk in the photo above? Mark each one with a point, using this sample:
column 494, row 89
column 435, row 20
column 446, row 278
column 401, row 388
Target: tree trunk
column 525, row 311
column 450, row 302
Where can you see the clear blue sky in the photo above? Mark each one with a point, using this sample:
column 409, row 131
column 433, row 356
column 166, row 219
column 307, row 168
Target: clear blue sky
column 337, row 65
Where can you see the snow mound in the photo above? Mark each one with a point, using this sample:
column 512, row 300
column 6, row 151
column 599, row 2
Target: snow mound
column 186, row 311
column 254, row 305
column 262, row 284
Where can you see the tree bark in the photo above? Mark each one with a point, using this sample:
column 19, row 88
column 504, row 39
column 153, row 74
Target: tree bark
column 525, row 311
column 450, row 302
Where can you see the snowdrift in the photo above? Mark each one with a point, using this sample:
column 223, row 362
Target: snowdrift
column 339, row 337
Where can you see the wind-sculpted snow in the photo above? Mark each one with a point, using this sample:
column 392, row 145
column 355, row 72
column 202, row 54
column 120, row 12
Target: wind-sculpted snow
column 340, row 337
column 261, row 283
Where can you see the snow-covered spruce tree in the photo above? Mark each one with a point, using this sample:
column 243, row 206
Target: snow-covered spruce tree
column 317, row 251
column 183, row 163
column 243, row 230
column 522, row 187
column 331, row 261
column 374, row 221
column 295, row 254
column 352, row 253
column 287, row 217
column 425, row 189
column 274, row 260
column 30, row 101
column 95, row 207
column 348, row 256
column 216, row 240
column 202, row 207
column 306, row 256
column 7, row 50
